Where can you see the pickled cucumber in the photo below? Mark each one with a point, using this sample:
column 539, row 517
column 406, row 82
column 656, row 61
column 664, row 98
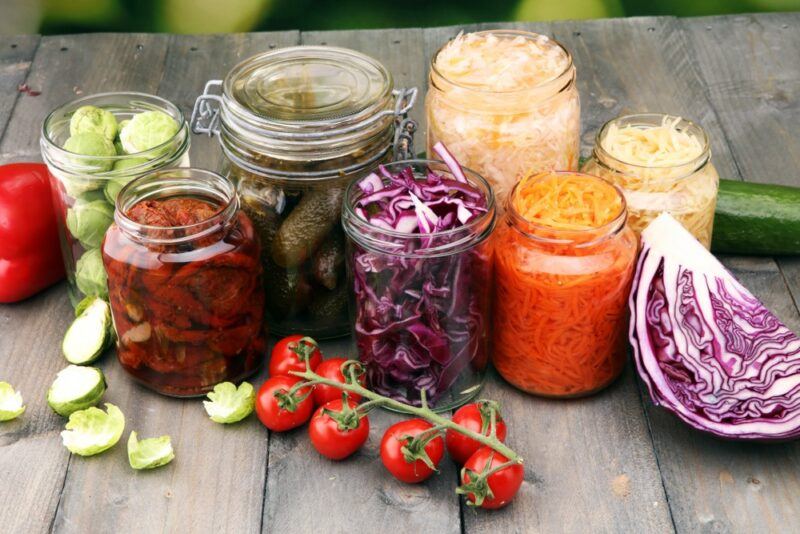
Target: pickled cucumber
column 329, row 259
column 329, row 305
column 307, row 226
column 287, row 292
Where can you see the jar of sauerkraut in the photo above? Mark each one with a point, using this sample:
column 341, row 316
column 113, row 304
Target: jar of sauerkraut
column 505, row 104
column 663, row 164
column 561, row 285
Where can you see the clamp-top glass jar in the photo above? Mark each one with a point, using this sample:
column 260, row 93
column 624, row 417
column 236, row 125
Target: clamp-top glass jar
column 296, row 126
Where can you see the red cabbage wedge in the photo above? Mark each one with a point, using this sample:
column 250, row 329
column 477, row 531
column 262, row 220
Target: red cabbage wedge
column 708, row 350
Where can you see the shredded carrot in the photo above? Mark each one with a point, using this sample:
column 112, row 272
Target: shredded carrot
column 560, row 309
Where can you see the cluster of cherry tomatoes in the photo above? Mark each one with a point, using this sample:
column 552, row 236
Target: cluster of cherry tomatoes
column 411, row 450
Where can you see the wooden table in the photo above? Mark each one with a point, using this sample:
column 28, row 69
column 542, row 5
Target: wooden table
column 609, row 463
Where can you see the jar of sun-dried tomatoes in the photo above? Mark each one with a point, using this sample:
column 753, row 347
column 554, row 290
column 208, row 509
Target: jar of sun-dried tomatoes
column 184, row 281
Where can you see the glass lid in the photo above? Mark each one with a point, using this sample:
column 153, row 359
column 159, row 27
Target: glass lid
column 308, row 84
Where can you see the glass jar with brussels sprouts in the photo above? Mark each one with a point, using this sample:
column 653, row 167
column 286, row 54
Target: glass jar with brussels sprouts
column 93, row 146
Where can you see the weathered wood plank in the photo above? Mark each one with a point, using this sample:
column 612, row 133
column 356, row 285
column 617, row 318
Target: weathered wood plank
column 367, row 499
column 16, row 54
column 715, row 485
column 594, row 454
column 217, row 480
column 33, row 463
column 70, row 66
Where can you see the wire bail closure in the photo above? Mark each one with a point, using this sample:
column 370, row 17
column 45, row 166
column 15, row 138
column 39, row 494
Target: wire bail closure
column 209, row 106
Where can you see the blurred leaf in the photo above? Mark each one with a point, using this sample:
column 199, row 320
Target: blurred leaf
column 568, row 9
column 81, row 12
column 211, row 16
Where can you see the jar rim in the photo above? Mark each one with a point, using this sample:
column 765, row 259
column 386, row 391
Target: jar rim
column 603, row 232
column 509, row 92
column 694, row 165
column 469, row 173
column 159, row 104
column 209, row 183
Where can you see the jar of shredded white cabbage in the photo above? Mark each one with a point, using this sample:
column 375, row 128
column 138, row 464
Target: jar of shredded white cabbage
column 505, row 104
column 663, row 164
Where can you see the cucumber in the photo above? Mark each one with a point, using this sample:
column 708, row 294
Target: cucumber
column 89, row 335
column 756, row 219
column 76, row 388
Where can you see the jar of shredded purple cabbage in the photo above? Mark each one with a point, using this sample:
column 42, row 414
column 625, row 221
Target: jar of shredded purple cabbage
column 420, row 266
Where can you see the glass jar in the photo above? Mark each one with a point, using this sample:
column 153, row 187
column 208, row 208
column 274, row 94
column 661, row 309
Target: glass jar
column 85, row 187
column 560, row 308
column 184, row 281
column 420, row 302
column 296, row 125
column 686, row 189
column 505, row 103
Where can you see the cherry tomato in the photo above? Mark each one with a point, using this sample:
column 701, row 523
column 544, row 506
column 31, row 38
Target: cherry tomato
column 504, row 483
column 289, row 355
column 272, row 414
column 339, row 435
column 396, row 437
column 475, row 417
column 332, row 370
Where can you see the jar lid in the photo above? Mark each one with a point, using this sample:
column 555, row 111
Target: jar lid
column 308, row 83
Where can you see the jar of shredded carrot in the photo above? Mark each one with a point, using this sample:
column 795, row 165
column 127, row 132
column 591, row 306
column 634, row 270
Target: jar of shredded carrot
column 564, row 261
column 505, row 104
column 662, row 163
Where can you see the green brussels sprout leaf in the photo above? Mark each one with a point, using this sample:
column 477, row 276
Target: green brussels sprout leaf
column 92, row 431
column 91, row 119
column 11, row 405
column 228, row 404
column 149, row 453
column 147, row 130
column 76, row 388
column 88, row 221
column 90, row 275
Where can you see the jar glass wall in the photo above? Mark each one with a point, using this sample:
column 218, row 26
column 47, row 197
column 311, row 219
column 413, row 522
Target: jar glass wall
column 184, row 282
column 505, row 104
column 561, row 291
column 85, row 187
column 420, row 302
column 685, row 188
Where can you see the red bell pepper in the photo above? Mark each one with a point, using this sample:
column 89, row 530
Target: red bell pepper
column 30, row 254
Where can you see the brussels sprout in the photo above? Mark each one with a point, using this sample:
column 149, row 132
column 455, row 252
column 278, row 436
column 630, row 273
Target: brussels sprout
column 90, row 334
column 147, row 130
column 91, row 196
column 229, row 404
column 92, row 430
column 11, row 405
column 78, row 187
column 90, row 275
column 91, row 119
column 76, row 388
column 88, row 221
column 149, row 453
column 92, row 144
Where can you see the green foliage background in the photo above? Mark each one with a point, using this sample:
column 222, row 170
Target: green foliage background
column 200, row 16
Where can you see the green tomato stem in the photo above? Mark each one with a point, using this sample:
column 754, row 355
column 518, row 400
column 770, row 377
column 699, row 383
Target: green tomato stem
column 424, row 412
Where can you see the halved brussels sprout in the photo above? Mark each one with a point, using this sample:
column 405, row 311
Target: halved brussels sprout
column 76, row 388
column 90, row 333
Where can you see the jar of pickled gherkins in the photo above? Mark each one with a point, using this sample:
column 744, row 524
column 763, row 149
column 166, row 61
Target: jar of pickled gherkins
column 296, row 125
column 663, row 164
column 184, row 282
column 564, row 263
column 88, row 161
column 420, row 266
column 506, row 105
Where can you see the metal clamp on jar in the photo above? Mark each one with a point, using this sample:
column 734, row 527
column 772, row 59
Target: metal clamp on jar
column 296, row 126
